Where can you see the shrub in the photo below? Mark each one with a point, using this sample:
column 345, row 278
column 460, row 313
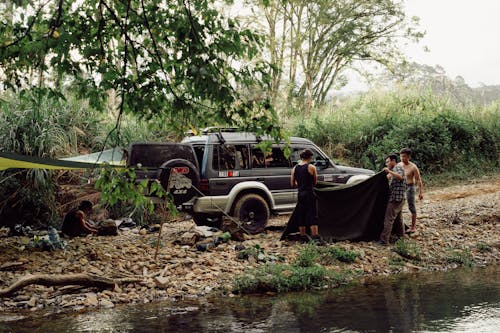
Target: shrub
column 407, row 249
column 284, row 278
column 307, row 256
column 328, row 254
column 443, row 136
column 460, row 256
column 483, row 247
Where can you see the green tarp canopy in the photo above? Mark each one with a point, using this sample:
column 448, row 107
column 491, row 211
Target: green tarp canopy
column 349, row 212
column 90, row 161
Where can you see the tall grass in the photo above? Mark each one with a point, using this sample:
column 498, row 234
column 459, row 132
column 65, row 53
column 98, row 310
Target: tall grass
column 444, row 136
column 46, row 127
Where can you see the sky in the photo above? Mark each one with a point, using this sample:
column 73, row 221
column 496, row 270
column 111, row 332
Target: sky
column 463, row 37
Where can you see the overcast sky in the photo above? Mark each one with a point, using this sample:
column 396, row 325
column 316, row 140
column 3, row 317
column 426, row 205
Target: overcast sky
column 463, row 36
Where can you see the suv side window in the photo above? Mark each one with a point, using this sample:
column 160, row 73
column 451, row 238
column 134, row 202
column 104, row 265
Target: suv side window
column 295, row 155
column 199, row 151
column 230, row 157
column 274, row 159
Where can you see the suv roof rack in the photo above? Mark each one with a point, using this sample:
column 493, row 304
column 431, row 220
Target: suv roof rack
column 219, row 129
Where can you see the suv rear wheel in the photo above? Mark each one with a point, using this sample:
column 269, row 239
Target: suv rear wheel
column 182, row 177
column 253, row 212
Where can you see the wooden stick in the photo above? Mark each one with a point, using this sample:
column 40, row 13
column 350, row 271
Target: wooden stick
column 59, row 280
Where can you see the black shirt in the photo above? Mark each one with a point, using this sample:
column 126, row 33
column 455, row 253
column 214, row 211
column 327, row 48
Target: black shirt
column 72, row 225
column 305, row 180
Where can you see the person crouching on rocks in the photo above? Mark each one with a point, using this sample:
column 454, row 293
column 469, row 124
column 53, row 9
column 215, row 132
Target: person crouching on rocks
column 304, row 176
column 75, row 221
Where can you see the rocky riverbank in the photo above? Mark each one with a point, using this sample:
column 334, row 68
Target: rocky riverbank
column 457, row 225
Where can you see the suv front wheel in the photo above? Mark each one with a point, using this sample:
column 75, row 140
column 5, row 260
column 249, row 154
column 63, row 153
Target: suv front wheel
column 252, row 211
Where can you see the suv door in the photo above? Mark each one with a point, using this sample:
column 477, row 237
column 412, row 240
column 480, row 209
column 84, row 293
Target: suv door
column 228, row 165
column 274, row 169
column 327, row 171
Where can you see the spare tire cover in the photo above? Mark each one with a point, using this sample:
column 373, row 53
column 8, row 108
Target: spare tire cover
column 183, row 177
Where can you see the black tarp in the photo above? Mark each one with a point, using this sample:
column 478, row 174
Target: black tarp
column 349, row 212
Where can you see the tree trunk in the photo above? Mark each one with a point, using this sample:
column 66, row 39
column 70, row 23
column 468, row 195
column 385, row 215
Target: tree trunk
column 59, row 280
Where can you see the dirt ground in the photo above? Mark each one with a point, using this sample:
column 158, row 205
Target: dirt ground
column 455, row 224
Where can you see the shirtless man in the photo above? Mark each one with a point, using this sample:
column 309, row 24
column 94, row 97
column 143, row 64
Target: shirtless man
column 412, row 178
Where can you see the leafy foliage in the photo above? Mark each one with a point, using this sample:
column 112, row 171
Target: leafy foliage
column 407, row 249
column 180, row 59
column 328, row 254
column 443, row 136
column 460, row 256
column 120, row 186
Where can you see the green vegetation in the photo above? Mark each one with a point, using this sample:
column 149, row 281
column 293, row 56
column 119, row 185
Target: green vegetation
column 407, row 249
column 57, row 128
column 483, row 247
column 173, row 59
column 444, row 137
column 460, row 256
column 304, row 273
column 329, row 254
column 83, row 76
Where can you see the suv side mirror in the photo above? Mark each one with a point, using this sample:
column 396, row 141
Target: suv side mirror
column 321, row 163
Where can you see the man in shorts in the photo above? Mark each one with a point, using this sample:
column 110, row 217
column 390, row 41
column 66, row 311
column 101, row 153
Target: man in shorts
column 412, row 179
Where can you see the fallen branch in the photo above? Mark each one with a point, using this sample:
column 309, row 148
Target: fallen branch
column 59, row 280
column 129, row 280
column 10, row 265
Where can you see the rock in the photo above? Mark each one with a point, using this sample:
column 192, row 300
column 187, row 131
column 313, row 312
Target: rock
column 95, row 271
column 413, row 267
column 161, row 281
column 107, row 304
column 91, row 300
column 32, row 302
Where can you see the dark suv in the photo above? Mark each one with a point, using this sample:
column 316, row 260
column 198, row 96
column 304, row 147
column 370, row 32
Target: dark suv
column 223, row 172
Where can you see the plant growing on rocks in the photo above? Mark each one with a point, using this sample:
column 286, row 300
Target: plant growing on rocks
column 460, row 256
column 304, row 273
column 329, row 254
column 407, row 249
column 483, row 247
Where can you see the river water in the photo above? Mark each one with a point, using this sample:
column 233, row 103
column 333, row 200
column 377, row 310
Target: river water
column 457, row 301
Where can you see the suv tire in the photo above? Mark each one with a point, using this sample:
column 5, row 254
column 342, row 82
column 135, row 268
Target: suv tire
column 181, row 191
column 252, row 211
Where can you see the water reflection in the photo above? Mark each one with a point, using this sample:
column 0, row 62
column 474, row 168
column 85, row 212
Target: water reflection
column 462, row 301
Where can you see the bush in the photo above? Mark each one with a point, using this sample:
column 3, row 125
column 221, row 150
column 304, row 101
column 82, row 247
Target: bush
column 46, row 127
column 307, row 256
column 304, row 273
column 407, row 249
column 443, row 136
column 483, row 247
column 460, row 256
column 328, row 254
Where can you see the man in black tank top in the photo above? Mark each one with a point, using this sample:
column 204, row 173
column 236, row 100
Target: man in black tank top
column 304, row 176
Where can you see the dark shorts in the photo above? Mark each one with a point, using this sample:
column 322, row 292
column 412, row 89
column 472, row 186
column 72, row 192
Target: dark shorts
column 306, row 209
column 410, row 198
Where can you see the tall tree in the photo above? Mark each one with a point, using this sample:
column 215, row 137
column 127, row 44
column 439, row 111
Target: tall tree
column 182, row 59
column 314, row 42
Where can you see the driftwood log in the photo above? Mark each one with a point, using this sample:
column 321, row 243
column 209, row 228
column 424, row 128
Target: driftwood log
column 81, row 279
